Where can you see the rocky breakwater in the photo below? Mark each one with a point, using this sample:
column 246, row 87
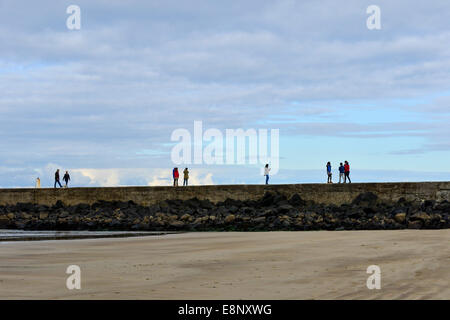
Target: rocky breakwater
column 271, row 212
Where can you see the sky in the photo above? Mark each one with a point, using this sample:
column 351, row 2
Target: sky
column 104, row 100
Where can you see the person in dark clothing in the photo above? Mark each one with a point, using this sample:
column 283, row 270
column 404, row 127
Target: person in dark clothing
column 66, row 178
column 329, row 172
column 341, row 173
column 57, row 179
column 347, row 172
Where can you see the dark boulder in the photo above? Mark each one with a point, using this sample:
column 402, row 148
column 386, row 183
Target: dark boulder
column 296, row 200
column 365, row 199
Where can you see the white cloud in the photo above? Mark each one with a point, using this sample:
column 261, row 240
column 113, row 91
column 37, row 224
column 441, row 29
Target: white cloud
column 139, row 176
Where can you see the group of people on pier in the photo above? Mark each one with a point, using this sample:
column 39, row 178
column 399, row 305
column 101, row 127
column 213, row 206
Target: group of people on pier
column 344, row 172
column 344, row 175
column 176, row 175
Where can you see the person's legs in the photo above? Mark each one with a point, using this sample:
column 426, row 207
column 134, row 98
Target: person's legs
column 348, row 175
column 267, row 179
column 55, row 183
column 174, row 181
column 58, row 183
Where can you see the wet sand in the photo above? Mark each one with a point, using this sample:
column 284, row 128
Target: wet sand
column 231, row 265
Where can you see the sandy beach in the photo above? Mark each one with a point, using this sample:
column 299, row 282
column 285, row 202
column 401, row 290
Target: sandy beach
column 231, row 265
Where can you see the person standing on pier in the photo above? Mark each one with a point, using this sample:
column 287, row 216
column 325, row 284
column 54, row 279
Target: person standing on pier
column 266, row 172
column 66, row 178
column 176, row 175
column 186, row 176
column 329, row 172
column 341, row 172
column 57, row 179
column 347, row 172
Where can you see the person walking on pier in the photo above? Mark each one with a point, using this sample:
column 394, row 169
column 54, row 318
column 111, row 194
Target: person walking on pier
column 347, row 172
column 66, row 178
column 341, row 172
column 329, row 172
column 176, row 175
column 57, row 179
column 266, row 172
column 186, row 177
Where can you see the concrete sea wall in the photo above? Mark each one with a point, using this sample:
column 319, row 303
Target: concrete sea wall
column 336, row 194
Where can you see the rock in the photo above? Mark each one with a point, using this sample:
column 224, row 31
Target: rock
column 415, row 224
column 186, row 217
column 26, row 216
column 268, row 212
column 319, row 219
column 428, row 203
column 420, row 216
column 11, row 216
column 230, row 218
column 64, row 214
column 58, row 204
column 43, row 215
column 259, row 220
column 366, row 198
column 4, row 218
column 248, row 210
column 400, row 217
column 296, row 200
column 177, row 224
column 436, row 217
column 267, row 199
column 285, row 208
column 198, row 221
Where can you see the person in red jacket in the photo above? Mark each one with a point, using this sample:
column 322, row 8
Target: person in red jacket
column 347, row 172
column 176, row 175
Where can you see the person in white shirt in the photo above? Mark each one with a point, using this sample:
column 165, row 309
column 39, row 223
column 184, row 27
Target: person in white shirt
column 266, row 173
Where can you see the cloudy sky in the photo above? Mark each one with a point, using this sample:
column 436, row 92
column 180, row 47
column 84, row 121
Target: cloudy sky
column 103, row 101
